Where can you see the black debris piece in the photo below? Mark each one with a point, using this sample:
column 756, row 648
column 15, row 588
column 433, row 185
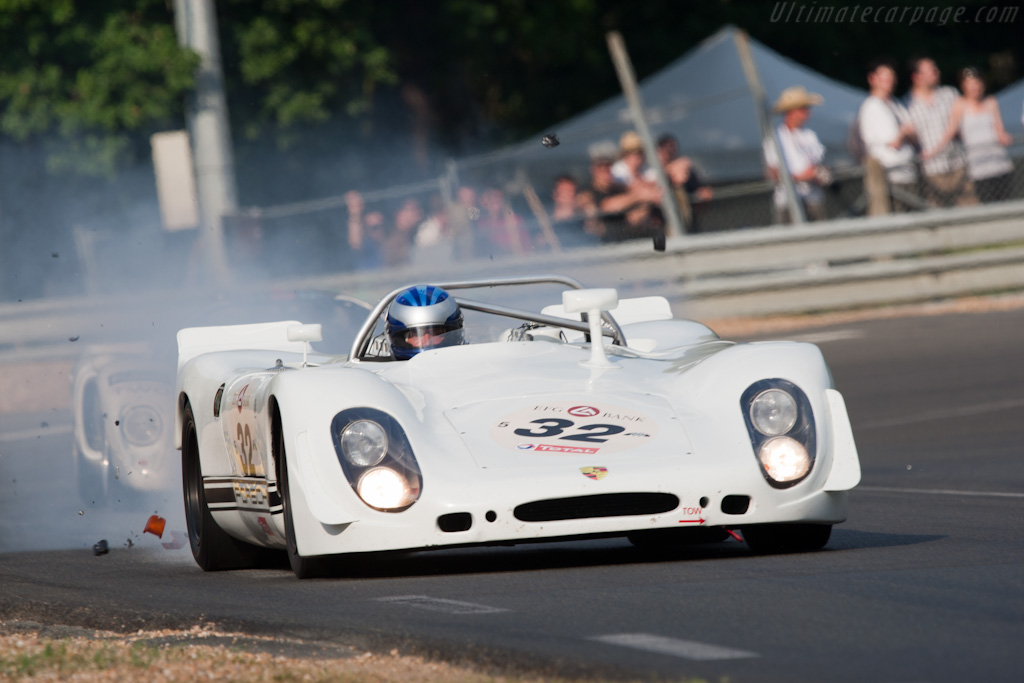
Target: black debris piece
column 55, row 254
column 73, row 339
column 100, row 548
column 117, row 423
column 550, row 140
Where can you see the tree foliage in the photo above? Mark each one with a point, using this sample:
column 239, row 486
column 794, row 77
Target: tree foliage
column 90, row 77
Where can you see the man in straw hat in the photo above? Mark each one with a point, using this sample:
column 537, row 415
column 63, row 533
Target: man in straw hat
column 803, row 152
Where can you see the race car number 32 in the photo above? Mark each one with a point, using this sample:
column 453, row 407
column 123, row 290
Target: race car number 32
column 571, row 428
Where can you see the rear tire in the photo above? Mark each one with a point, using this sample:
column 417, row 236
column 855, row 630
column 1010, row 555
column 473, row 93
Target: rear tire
column 212, row 548
column 304, row 567
column 786, row 538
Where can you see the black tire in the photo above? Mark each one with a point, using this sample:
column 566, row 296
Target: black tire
column 786, row 538
column 668, row 538
column 212, row 548
column 304, row 567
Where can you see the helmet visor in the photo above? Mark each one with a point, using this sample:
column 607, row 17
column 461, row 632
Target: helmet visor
column 424, row 337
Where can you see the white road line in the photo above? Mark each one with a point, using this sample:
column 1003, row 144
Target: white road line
column 686, row 649
column 827, row 336
column 27, row 434
column 942, row 492
column 442, row 604
column 965, row 411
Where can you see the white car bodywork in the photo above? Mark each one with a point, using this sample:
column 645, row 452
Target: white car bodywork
column 528, row 439
column 122, row 399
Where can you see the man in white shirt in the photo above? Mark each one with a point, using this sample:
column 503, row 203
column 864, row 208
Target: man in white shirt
column 803, row 152
column 886, row 130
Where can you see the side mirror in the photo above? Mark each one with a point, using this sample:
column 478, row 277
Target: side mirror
column 305, row 333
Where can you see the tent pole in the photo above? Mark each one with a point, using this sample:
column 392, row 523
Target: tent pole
column 768, row 132
column 627, row 79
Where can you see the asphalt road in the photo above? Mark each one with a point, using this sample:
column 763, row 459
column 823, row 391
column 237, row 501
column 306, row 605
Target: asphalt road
column 924, row 582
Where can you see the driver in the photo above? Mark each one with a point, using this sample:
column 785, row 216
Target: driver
column 421, row 318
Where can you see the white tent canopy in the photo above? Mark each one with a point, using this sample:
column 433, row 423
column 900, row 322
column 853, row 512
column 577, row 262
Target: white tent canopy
column 703, row 99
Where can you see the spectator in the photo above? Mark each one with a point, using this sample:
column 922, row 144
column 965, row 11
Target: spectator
column 433, row 240
column 617, row 212
column 567, row 212
column 397, row 246
column 681, row 170
column 688, row 187
column 886, row 131
column 804, row 155
column 464, row 213
column 499, row 229
column 366, row 233
column 930, row 106
column 976, row 118
column 631, row 165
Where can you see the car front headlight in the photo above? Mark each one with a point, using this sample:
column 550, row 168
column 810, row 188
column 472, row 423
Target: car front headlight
column 364, row 443
column 377, row 459
column 773, row 412
column 780, row 424
column 384, row 489
column 141, row 425
column 784, row 459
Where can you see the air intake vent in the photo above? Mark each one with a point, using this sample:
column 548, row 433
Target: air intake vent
column 735, row 505
column 455, row 521
column 604, row 505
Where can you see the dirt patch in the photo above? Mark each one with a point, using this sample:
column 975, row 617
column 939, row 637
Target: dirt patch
column 31, row 651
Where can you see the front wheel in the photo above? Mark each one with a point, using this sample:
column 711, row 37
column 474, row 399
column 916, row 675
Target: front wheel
column 304, row 567
column 786, row 538
column 212, row 548
column 676, row 537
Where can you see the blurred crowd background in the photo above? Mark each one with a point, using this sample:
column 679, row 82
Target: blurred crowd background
column 369, row 135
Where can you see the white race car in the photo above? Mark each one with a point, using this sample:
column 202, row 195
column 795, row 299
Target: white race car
column 122, row 399
column 658, row 431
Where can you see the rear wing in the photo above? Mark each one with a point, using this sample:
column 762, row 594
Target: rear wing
column 195, row 341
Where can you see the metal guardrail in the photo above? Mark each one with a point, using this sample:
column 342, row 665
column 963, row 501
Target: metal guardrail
column 759, row 271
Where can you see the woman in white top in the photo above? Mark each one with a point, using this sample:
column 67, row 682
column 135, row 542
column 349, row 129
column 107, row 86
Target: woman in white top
column 976, row 119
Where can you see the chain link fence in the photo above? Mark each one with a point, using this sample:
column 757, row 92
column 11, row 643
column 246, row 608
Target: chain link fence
column 494, row 210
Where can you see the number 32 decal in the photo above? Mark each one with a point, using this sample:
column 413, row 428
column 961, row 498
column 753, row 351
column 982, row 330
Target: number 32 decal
column 554, row 427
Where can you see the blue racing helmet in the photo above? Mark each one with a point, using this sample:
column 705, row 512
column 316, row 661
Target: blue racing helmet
column 421, row 318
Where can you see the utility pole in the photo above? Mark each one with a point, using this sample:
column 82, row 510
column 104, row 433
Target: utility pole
column 768, row 132
column 627, row 79
column 206, row 114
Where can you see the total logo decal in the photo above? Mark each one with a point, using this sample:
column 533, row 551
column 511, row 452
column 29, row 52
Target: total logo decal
column 572, row 428
column 552, row 448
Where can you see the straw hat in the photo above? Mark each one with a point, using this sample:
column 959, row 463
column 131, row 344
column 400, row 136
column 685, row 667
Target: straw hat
column 630, row 142
column 797, row 97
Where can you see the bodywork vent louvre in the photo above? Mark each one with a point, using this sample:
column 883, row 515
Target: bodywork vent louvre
column 603, row 505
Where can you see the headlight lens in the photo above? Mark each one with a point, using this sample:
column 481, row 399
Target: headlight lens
column 385, row 489
column 141, row 425
column 773, row 412
column 364, row 443
column 784, row 459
